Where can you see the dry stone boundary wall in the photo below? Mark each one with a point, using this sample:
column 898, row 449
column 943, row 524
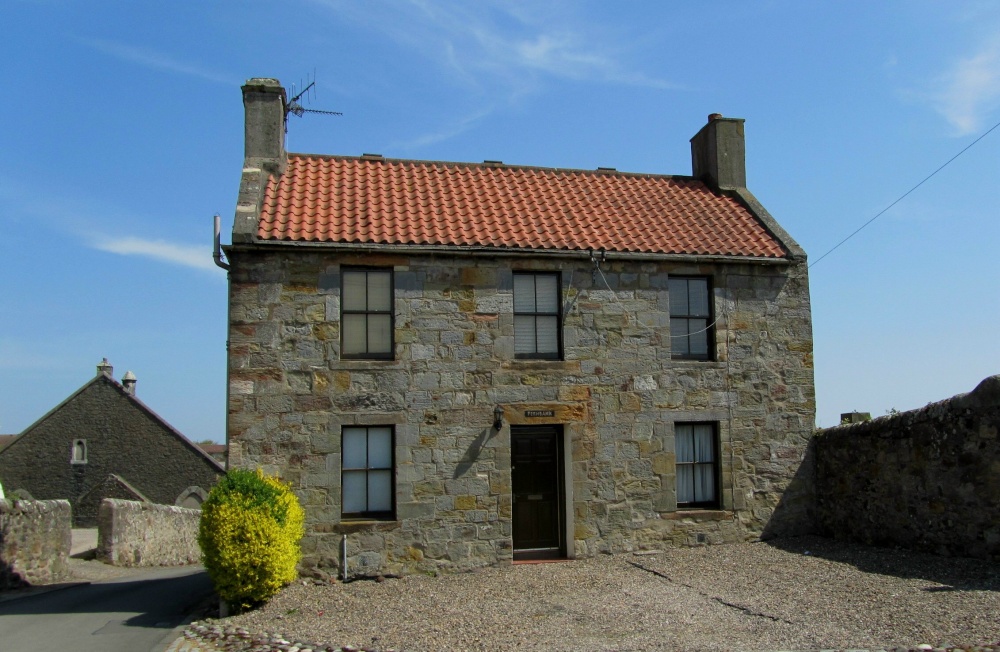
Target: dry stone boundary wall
column 927, row 479
column 132, row 533
column 35, row 541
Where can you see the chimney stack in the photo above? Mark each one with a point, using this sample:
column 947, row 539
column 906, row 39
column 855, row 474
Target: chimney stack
column 718, row 153
column 105, row 368
column 264, row 103
column 128, row 381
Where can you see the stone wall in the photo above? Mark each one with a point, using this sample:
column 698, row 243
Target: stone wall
column 131, row 533
column 928, row 479
column 35, row 541
column 616, row 394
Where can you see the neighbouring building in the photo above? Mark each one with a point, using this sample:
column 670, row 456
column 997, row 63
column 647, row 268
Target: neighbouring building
column 460, row 364
column 217, row 451
column 103, row 442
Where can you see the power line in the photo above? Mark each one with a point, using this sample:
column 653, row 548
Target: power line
column 901, row 198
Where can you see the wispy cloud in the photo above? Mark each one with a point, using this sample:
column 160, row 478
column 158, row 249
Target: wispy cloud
column 156, row 60
column 87, row 225
column 450, row 131
column 970, row 91
column 506, row 42
column 187, row 255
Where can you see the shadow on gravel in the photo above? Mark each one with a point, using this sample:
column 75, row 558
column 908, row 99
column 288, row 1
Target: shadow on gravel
column 952, row 573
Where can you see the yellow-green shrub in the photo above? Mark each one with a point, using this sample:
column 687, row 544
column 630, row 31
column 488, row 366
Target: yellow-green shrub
column 249, row 536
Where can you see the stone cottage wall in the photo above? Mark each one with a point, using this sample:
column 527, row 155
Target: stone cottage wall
column 927, row 480
column 35, row 542
column 122, row 439
column 131, row 533
column 617, row 394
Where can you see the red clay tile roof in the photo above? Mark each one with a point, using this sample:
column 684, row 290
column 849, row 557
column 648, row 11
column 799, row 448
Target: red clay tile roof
column 386, row 201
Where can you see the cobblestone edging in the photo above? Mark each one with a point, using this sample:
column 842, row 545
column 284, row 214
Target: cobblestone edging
column 207, row 635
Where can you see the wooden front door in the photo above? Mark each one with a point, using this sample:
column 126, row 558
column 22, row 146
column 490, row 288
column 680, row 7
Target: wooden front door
column 536, row 478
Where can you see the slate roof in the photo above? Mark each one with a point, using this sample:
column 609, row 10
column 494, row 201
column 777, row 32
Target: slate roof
column 372, row 200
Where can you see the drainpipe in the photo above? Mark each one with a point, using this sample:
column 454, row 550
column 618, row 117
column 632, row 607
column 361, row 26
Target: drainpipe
column 217, row 249
column 343, row 558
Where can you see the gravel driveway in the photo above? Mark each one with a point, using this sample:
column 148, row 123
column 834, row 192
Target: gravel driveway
column 794, row 594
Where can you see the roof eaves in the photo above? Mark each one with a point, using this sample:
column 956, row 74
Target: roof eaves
column 483, row 250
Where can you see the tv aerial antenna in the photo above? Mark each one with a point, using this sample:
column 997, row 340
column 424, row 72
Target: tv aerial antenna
column 308, row 93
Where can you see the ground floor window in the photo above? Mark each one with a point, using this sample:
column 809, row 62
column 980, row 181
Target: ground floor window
column 697, row 454
column 367, row 478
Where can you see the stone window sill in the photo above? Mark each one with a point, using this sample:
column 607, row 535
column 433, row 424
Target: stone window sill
column 534, row 364
column 364, row 365
column 709, row 364
column 699, row 515
column 354, row 525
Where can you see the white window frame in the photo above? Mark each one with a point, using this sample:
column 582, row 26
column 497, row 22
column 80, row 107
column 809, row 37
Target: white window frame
column 528, row 316
column 351, row 316
column 692, row 462
column 370, row 470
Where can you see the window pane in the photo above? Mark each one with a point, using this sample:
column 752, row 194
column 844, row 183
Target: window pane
column 354, row 291
column 354, row 449
column 685, row 483
column 379, row 491
column 704, row 443
column 678, row 336
column 355, row 340
column 683, row 444
column 698, row 341
column 380, row 448
column 379, row 333
column 547, row 293
column 379, row 291
column 698, row 297
column 704, row 483
column 524, row 334
column 678, row 289
column 524, row 293
column 353, row 490
column 547, row 334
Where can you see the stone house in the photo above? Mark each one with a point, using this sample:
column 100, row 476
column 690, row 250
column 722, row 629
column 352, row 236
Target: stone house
column 103, row 442
column 460, row 364
column 216, row 451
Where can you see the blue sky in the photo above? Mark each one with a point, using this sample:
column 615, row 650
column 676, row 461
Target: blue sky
column 123, row 134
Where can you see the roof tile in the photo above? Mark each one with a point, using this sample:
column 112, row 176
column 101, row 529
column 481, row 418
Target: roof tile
column 388, row 201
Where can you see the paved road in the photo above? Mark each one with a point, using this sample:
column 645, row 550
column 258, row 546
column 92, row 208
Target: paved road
column 126, row 614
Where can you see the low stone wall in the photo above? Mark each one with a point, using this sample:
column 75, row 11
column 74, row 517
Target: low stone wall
column 927, row 480
column 131, row 533
column 35, row 541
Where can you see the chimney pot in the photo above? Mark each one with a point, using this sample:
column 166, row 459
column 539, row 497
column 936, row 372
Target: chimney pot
column 714, row 116
column 105, row 368
column 128, row 382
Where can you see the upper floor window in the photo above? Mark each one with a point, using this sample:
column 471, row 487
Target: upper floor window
column 78, row 455
column 691, row 334
column 537, row 316
column 697, row 454
column 367, row 486
column 366, row 318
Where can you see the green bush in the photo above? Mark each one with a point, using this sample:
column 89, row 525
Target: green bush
column 249, row 536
